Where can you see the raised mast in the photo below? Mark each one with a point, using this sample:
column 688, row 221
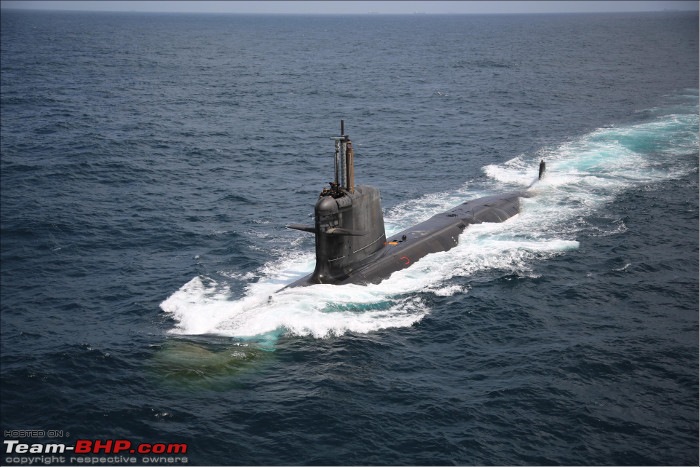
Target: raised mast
column 344, row 161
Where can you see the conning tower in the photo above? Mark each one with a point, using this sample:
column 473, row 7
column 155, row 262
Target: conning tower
column 349, row 225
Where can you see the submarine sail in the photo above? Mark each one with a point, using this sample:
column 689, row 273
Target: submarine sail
column 351, row 244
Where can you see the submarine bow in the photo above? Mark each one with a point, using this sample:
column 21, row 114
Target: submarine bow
column 351, row 244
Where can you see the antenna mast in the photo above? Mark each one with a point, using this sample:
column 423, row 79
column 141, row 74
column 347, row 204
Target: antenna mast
column 344, row 161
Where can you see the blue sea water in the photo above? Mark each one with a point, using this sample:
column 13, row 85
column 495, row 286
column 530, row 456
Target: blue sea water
column 151, row 162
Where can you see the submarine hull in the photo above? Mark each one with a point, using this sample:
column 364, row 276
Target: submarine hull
column 351, row 244
column 439, row 233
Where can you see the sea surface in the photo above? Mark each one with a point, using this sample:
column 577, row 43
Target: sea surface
column 150, row 164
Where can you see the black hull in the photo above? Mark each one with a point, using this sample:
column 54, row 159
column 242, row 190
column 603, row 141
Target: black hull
column 439, row 233
column 351, row 245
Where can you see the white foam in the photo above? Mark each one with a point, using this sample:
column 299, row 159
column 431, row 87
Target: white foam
column 581, row 176
column 318, row 311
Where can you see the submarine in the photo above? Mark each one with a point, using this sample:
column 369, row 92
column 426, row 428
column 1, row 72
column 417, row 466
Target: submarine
column 351, row 243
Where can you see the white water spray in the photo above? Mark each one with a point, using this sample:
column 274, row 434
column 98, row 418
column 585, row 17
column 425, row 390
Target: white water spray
column 582, row 175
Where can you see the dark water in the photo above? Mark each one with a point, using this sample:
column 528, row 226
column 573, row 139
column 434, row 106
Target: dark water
column 150, row 164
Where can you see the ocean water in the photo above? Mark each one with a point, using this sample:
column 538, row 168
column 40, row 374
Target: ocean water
column 151, row 162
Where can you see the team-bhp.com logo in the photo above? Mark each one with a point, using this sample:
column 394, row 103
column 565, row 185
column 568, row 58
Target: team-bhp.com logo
column 86, row 451
column 86, row 446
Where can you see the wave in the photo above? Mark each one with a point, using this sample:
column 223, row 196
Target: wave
column 582, row 176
